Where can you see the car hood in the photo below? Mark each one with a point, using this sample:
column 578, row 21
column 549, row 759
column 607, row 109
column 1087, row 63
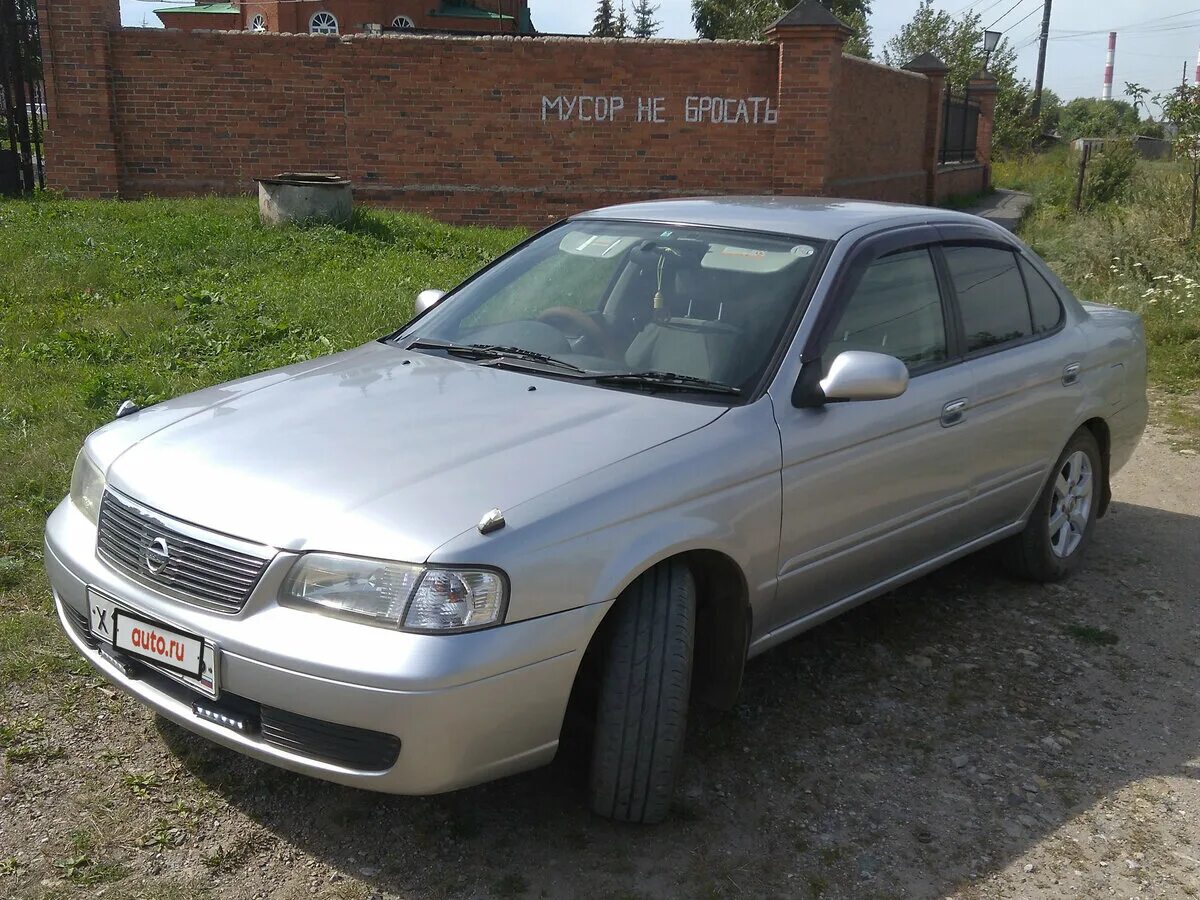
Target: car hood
column 381, row 452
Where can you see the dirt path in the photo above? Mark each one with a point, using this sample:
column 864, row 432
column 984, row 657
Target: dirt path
column 965, row 737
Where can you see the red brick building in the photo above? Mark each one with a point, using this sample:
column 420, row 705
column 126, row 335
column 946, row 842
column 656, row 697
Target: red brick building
column 350, row 16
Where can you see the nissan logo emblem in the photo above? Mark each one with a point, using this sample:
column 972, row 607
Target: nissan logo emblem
column 158, row 554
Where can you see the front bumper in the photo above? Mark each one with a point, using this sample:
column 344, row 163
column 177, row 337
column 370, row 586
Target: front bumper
column 466, row 708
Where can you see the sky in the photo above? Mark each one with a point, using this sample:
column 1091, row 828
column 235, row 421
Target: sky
column 1155, row 38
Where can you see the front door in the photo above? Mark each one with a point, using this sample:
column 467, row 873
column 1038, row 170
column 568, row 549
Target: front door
column 872, row 489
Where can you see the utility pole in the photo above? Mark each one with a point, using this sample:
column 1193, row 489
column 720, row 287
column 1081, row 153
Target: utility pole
column 1041, row 67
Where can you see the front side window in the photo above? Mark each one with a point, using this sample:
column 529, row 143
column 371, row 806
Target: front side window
column 627, row 298
column 258, row 24
column 402, row 22
column 991, row 295
column 323, row 23
column 896, row 309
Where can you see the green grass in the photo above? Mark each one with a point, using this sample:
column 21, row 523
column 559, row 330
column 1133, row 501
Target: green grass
column 1131, row 252
column 100, row 301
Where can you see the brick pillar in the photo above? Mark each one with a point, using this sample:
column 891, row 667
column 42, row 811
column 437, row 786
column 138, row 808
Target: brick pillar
column 984, row 90
column 935, row 113
column 81, row 144
column 810, row 41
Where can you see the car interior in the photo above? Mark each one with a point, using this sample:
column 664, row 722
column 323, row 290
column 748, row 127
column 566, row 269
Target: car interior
column 691, row 306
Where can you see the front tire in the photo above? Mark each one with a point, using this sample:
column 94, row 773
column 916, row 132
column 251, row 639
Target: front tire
column 645, row 682
column 1061, row 524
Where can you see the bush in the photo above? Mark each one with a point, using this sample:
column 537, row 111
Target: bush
column 1111, row 174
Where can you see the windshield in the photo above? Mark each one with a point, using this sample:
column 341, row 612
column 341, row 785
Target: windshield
column 629, row 304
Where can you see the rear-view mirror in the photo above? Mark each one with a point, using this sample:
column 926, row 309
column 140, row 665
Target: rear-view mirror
column 863, row 375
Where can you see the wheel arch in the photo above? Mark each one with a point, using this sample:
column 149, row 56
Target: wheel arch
column 724, row 620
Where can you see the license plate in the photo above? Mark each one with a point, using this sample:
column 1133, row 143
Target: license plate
column 187, row 658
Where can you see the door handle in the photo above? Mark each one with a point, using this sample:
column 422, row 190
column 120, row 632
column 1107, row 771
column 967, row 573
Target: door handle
column 1070, row 374
column 954, row 412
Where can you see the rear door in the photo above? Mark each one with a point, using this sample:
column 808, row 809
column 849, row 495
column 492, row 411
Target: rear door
column 1024, row 362
column 872, row 489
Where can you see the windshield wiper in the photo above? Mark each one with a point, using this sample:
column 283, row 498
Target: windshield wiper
column 493, row 352
column 667, row 380
column 519, row 353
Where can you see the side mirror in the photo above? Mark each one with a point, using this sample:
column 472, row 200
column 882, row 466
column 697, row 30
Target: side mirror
column 428, row 299
column 862, row 375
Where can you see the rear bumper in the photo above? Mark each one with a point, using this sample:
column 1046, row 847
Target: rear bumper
column 496, row 711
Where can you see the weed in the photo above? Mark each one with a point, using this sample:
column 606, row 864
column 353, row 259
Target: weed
column 163, row 837
column 10, row 866
column 228, row 859
column 82, row 870
column 13, row 731
column 143, row 783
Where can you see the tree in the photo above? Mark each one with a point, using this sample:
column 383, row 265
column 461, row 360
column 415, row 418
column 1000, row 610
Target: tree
column 605, row 23
column 644, row 24
column 622, row 21
column 958, row 42
column 1088, row 117
column 1138, row 94
column 1182, row 108
column 747, row 19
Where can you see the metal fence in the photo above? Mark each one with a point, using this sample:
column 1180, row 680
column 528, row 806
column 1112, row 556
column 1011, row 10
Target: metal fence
column 960, row 130
column 22, row 99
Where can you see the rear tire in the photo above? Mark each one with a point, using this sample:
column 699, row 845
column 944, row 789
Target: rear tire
column 645, row 682
column 1061, row 524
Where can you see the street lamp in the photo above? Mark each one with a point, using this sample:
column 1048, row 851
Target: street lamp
column 990, row 40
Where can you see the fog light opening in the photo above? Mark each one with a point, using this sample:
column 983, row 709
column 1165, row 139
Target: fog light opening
column 226, row 718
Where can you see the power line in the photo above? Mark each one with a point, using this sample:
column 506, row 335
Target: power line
column 1023, row 18
column 1129, row 27
column 978, row 12
column 1014, row 6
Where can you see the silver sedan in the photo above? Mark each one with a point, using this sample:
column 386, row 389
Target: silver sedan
column 647, row 444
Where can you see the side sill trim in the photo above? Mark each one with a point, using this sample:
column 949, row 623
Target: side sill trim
column 825, row 613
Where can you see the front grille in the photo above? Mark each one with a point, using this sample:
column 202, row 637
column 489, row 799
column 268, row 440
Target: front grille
column 208, row 572
column 345, row 745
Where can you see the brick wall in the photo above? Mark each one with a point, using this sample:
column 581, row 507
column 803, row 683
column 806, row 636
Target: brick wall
column 879, row 134
column 497, row 129
column 960, row 181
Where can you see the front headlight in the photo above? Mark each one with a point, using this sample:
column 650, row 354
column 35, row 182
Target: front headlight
column 87, row 486
column 397, row 595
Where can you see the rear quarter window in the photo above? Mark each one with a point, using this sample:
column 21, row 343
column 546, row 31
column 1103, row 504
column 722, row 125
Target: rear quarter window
column 1043, row 301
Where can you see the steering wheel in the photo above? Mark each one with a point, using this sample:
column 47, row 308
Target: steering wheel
column 579, row 328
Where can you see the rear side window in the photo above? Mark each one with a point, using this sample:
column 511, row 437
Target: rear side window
column 1047, row 308
column 896, row 309
column 991, row 295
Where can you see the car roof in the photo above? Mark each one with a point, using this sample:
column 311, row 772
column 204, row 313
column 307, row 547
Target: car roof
column 821, row 218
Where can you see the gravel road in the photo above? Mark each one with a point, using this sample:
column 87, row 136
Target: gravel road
column 964, row 737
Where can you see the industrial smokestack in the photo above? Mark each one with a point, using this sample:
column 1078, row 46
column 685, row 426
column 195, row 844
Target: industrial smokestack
column 1108, row 66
